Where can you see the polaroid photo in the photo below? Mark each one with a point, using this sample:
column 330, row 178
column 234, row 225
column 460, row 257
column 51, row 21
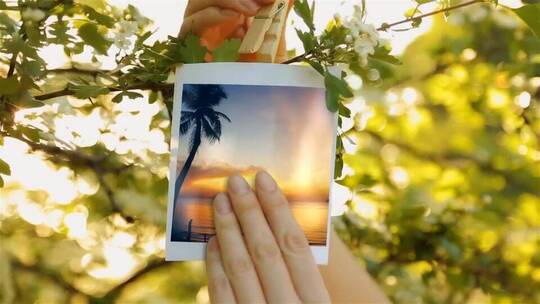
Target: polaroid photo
column 240, row 118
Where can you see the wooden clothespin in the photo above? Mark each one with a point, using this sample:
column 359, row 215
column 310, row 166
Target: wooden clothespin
column 264, row 35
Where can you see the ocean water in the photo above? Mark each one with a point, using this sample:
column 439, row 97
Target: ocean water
column 312, row 217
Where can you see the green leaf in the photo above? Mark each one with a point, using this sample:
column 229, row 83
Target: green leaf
column 153, row 97
column 344, row 111
column 336, row 88
column 192, row 51
column 88, row 91
column 141, row 39
column 302, row 9
column 118, row 98
column 30, row 133
column 335, row 35
column 338, row 167
column 308, row 40
column 26, row 100
column 357, row 182
column 33, row 69
column 416, row 22
column 90, row 34
column 332, row 101
column 1, row 182
column 33, row 34
column 339, row 145
column 19, row 45
column 4, row 168
column 452, row 249
column 413, row 212
column 101, row 19
column 317, row 66
column 227, row 51
column 530, row 14
column 338, row 85
column 59, row 30
column 9, row 86
column 9, row 24
column 383, row 54
column 131, row 95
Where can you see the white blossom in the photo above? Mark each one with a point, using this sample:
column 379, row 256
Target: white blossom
column 364, row 47
column 373, row 75
column 363, row 37
column 123, row 34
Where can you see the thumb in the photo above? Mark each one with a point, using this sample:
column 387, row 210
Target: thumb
column 213, row 22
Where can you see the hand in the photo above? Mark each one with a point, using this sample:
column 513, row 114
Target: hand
column 260, row 254
column 217, row 20
column 203, row 14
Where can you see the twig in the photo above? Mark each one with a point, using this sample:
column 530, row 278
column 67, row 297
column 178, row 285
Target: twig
column 165, row 88
column 79, row 71
column 12, row 63
column 98, row 170
column 386, row 26
column 298, row 58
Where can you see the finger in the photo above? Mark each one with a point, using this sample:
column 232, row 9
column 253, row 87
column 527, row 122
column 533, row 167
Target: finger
column 262, row 246
column 239, row 33
column 219, row 287
column 246, row 7
column 207, row 18
column 292, row 241
column 236, row 260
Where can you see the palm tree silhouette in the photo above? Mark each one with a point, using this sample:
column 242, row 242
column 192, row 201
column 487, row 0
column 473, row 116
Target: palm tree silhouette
column 201, row 120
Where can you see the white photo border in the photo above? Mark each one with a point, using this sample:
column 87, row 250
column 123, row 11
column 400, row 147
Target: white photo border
column 236, row 74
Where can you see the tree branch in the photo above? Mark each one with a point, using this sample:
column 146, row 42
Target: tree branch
column 72, row 156
column 166, row 88
column 386, row 26
column 93, row 73
column 457, row 159
column 99, row 172
column 47, row 274
column 117, row 290
column 94, row 163
column 298, row 58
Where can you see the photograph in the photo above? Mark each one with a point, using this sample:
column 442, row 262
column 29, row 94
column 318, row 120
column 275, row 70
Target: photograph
column 227, row 129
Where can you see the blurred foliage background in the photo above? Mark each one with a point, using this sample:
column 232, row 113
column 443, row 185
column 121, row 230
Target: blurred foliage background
column 442, row 160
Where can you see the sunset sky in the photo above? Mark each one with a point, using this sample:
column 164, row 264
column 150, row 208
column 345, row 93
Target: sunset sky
column 285, row 130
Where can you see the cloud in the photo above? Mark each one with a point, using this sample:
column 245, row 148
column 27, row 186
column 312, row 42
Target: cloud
column 208, row 180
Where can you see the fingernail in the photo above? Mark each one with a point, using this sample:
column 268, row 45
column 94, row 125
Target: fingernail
column 238, row 185
column 266, row 182
column 223, row 206
column 250, row 6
